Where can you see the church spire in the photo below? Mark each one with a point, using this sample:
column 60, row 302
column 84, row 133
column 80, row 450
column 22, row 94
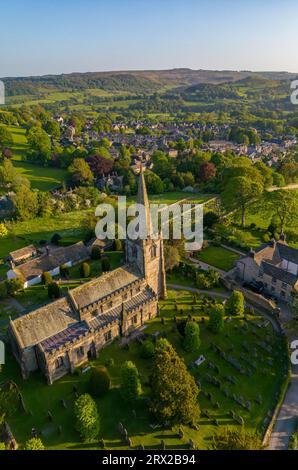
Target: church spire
column 142, row 198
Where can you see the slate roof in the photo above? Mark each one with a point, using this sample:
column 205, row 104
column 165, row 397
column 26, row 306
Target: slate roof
column 113, row 314
column 35, row 267
column 279, row 273
column 287, row 252
column 44, row 322
column 104, row 285
column 71, row 333
column 22, row 253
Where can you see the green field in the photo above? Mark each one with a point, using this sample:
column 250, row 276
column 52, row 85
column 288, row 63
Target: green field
column 23, row 233
column 218, row 257
column 40, row 177
column 266, row 381
column 20, row 145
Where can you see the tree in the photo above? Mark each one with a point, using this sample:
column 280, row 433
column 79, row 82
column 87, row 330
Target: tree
column 207, row 171
column 235, row 304
column 6, row 139
column 148, row 349
column 284, row 204
column 210, row 219
column 192, row 340
column 25, row 203
column 46, row 278
column 96, row 252
column 14, row 285
column 40, row 144
column 172, row 257
column 2, row 446
column 52, row 128
column 100, row 381
column 7, row 172
column 85, row 270
column 216, row 318
column 105, row 264
column 87, row 418
column 131, row 387
column 35, row 443
column 239, row 193
column 54, row 290
column 99, row 164
column 236, row 439
column 3, row 290
column 80, row 172
column 3, row 231
column 154, row 183
column 174, row 391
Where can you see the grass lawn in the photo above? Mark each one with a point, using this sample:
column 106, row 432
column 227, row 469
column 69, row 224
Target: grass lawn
column 25, row 232
column 117, row 258
column 266, row 381
column 218, row 257
column 174, row 196
column 20, row 145
column 40, row 177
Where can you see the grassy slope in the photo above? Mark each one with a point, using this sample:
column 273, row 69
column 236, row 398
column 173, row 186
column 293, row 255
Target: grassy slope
column 40, row 398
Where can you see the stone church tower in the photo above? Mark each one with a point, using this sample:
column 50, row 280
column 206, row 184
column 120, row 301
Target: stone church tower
column 148, row 254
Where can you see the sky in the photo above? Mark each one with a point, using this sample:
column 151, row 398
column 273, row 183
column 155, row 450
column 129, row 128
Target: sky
column 39, row 37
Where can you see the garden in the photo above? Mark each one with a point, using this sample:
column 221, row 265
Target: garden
column 241, row 372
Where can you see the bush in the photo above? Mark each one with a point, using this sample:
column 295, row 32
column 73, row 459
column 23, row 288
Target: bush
column 87, row 418
column 105, row 264
column 2, row 446
column 216, row 318
column 203, row 281
column 53, row 290
column 192, row 340
column 85, row 270
column 130, row 382
column 181, row 325
column 100, row 381
column 3, row 290
column 148, row 349
column 96, row 252
column 210, row 219
column 266, row 237
column 46, row 278
column 55, row 239
column 14, row 285
column 117, row 245
column 235, row 304
column 64, row 270
column 34, row 444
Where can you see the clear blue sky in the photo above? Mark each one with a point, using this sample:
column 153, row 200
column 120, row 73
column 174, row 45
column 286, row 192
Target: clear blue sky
column 51, row 36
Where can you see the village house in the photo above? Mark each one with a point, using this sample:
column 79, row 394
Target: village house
column 23, row 254
column 274, row 265
column 51, row 261
column 64, row 334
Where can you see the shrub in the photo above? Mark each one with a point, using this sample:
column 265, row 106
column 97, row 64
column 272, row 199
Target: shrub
column 85, row 270
column 203, row 281
column 3, row 231
column 96, row 252
column 64, row 270
column 54, row 290
column 192, row 340
column 148, row 349
column 235, row 304
column 130, row 382
column 105, row 264
column 100, row 381
column 14, row 285
column 3, row 290
column 117, row 245
column 181, row 327
column 216, row 318
column 87, row 418
column 266, row 237
column 56, row 238
column 46, row 278
column 34, row 444
column 2, row 446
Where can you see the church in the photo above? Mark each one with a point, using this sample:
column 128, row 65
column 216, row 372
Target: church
column 64, row 334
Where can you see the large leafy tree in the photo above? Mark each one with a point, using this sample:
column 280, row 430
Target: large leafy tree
column 99, row 164
column 87, row 417
column 192, row 340
column 131, row 387
column 174, row 391
column 236, row 439
column 40, row 144
column 80, row 171
column 235, row 303
column 239, row 193
column 216, row 318
column 283, row 204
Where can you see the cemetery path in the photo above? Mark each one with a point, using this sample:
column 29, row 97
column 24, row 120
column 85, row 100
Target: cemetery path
column 199, row 291
column 286, row 422
column 287, row 417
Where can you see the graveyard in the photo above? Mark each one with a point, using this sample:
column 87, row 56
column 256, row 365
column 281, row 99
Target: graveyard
column 241, row 371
